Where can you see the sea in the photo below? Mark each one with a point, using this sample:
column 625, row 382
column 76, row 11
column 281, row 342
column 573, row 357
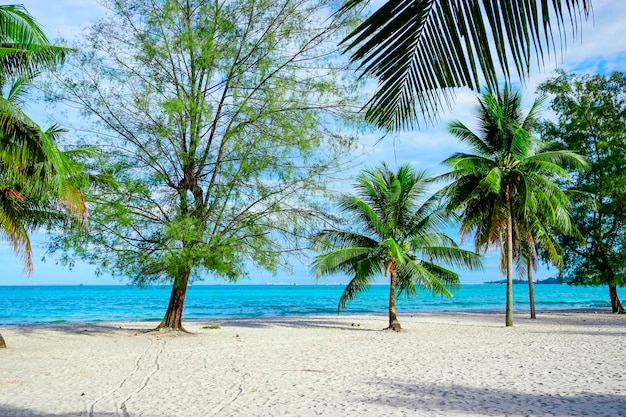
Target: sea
column 27, row 305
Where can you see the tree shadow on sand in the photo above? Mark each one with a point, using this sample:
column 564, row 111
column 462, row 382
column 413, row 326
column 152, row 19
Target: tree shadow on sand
column 447, row 399
column 300, row 322
column 83, row 328
column 8, row 411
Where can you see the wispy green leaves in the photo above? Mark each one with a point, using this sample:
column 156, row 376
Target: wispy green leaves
column 219, row 122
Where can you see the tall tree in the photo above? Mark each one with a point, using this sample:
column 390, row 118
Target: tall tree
column 397, row 232
column 222, row 122
column 421, row 50
column 507, row 181
column 591, row 118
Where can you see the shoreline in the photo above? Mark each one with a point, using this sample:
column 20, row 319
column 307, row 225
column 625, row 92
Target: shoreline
column 454, row 364
column 401, row 314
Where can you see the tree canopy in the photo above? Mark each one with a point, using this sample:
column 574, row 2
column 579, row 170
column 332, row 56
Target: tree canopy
column 591, row 118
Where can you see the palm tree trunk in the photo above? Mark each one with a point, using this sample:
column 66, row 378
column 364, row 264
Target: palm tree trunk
column 394, row 324
column 509, row 259
column 531, row 290
column 615, row 302
column 3, row 345
column 173, row 319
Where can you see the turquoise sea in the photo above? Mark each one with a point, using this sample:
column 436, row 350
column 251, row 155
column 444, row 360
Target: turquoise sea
column 59, row 304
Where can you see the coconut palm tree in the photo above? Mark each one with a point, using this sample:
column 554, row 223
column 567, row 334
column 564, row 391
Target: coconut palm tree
column 38, row 182
column 398, row 233
column 539, row 243
column 506, row 186
column 419, row 51
column 37, row 179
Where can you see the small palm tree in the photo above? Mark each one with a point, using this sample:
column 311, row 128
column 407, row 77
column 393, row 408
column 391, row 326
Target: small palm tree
column 506, row 187
column 397, row 233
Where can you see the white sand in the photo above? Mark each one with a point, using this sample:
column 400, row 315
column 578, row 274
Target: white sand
column 563, row 364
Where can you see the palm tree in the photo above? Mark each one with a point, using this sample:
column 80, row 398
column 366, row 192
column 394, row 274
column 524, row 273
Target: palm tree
column 37, row 179
column 421, row 50
column 396, row 236
column 538, row 242
column 507, row 185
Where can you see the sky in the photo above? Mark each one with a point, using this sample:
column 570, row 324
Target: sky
column 601, row 48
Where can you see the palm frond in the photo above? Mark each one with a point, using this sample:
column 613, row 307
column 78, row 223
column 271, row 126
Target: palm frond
column 339, row 261
column 359, row 283
column 364, row 214
column 24, row 47
column 421, row 50
column 453, row 256
column 464, row 135
column 567, row 159
column 12, row 227
column 425, row 278
column 341, row 239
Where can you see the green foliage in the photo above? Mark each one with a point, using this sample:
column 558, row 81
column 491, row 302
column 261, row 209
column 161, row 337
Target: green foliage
column 395, row 230
column 221, row 122
column 591, row 118
column 39, row 184
column 421, row 50
column 24, row 47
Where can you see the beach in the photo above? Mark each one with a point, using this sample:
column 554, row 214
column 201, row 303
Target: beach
column 443, row 364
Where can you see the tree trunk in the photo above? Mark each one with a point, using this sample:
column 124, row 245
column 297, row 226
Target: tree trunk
column 531, row 290
column 509, row 259
column 3, row 345
column 173, row 319
column 615, row 302
column 394, row 324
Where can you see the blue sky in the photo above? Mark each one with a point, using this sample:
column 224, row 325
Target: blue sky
column 601, row 49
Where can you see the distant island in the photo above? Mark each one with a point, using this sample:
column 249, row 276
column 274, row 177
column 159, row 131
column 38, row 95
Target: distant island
column 523, row 281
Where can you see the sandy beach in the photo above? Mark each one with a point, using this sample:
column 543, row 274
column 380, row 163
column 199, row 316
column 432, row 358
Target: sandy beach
column 444, row 364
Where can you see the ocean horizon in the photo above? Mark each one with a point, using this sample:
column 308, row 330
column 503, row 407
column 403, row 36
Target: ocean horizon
column 28, row 305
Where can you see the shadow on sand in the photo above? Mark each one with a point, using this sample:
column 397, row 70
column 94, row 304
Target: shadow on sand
column 84, row 328
column 7, row 411
column 349, row 324
column 454, row 399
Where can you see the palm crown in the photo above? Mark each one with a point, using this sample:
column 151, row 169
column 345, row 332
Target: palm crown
column 398, row 233
column 24, row 47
